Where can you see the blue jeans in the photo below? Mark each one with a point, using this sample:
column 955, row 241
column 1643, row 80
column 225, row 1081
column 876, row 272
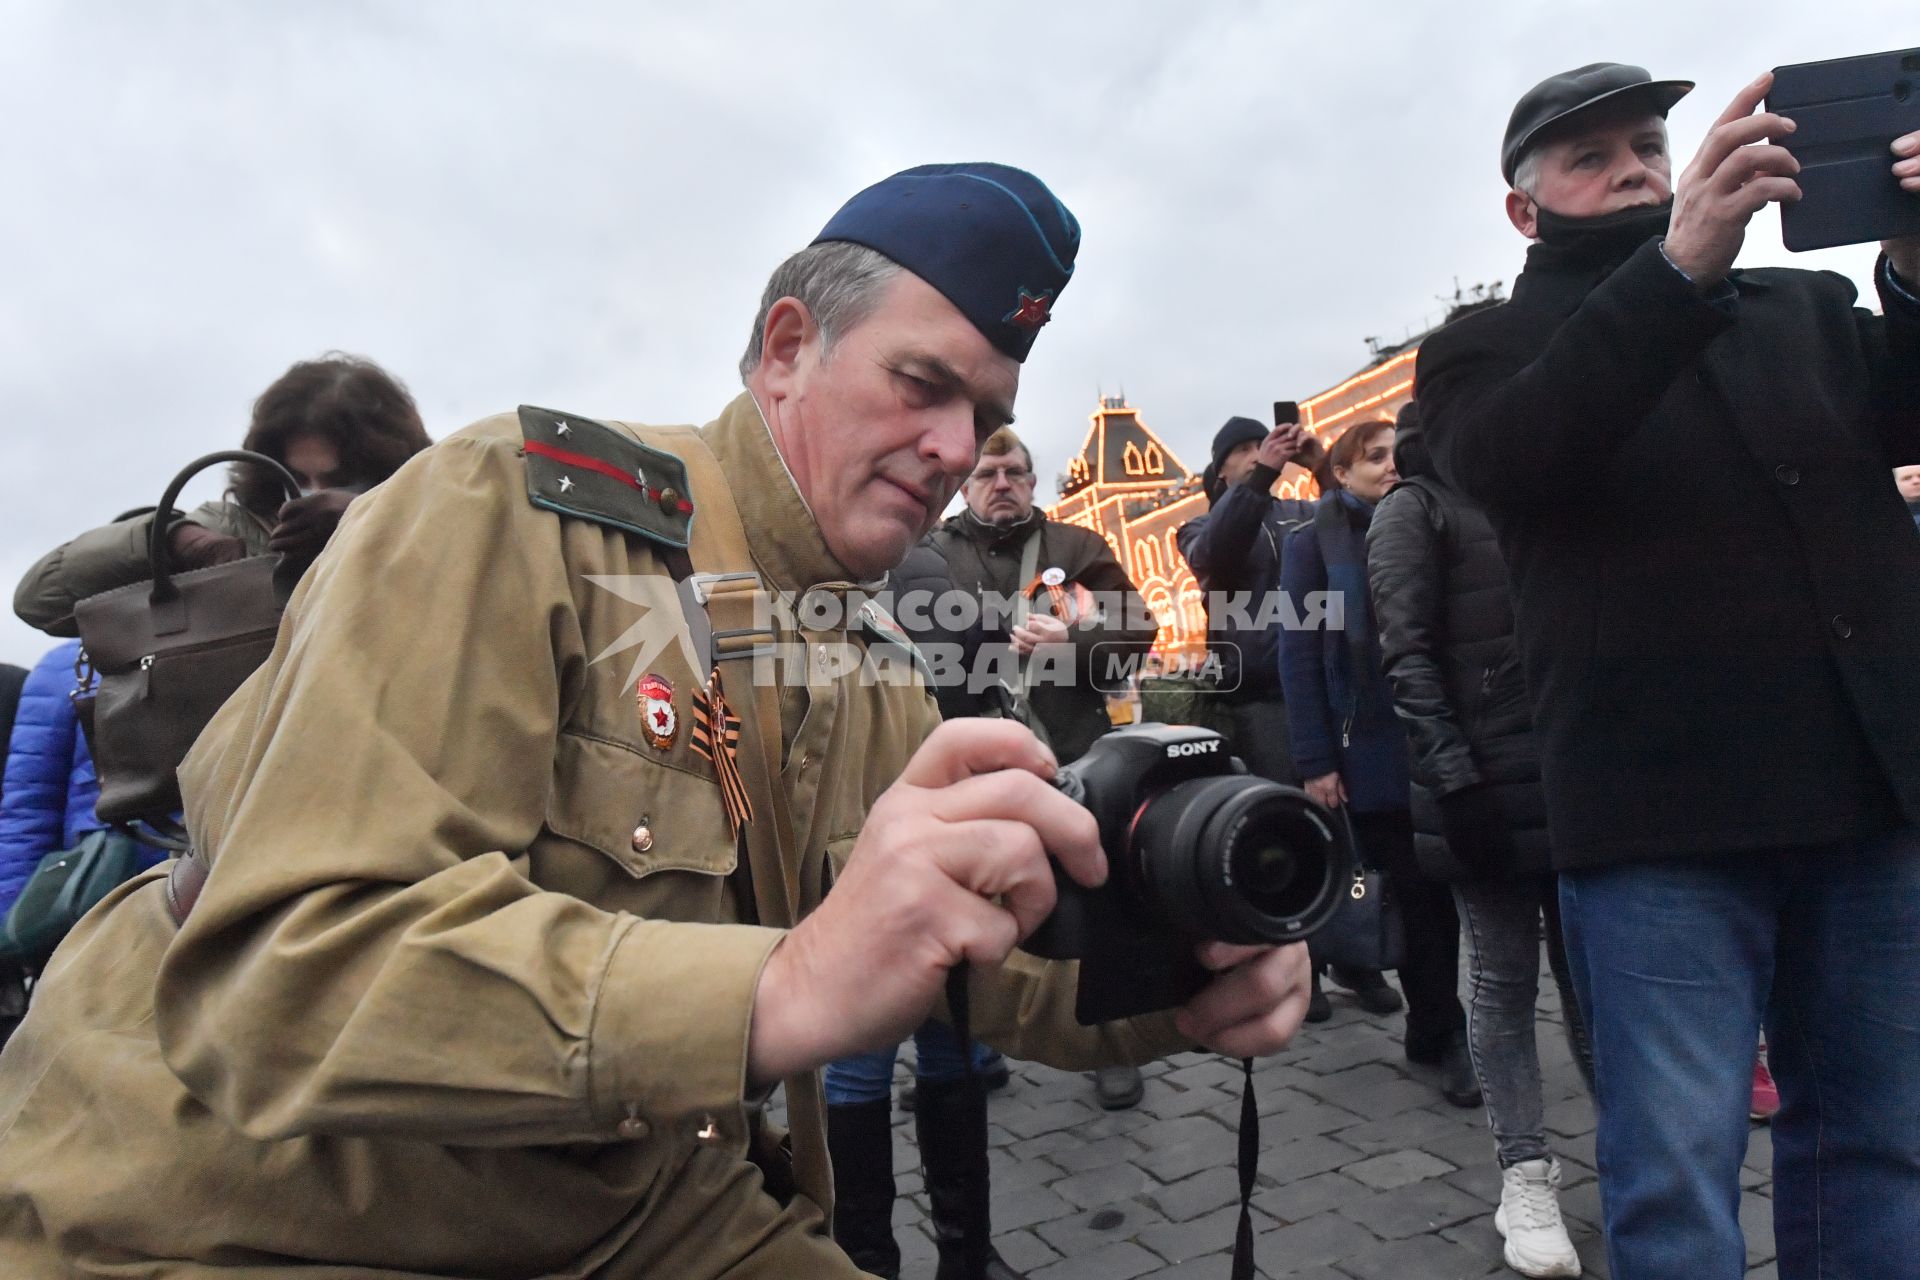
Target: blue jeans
column 868, row 1077
column 1677, row 964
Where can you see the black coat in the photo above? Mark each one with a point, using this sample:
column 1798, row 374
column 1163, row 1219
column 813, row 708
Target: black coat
column 1441, row 602
column 1234, row 552
column 1713, row 580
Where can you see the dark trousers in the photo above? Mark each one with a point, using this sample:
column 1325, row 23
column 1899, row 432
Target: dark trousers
column 1431, row 976
column 1260, row 739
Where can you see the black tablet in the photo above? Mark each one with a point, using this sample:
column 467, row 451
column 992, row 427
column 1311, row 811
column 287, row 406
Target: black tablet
column 1846, row 114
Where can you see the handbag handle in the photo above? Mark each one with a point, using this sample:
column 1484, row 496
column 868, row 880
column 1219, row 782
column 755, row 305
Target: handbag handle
column 164, row 592
column 1352, row 839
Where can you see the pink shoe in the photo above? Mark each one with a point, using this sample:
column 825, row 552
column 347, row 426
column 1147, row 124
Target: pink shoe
column 1766, row 1095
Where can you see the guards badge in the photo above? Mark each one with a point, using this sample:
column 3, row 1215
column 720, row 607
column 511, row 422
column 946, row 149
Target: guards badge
column 658, row 720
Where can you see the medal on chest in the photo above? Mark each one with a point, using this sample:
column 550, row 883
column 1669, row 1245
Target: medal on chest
column 1051, row 582
column 658, row 719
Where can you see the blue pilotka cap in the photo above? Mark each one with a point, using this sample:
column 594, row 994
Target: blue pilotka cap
column 993, row 239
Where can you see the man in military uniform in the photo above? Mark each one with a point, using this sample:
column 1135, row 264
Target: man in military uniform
column 516, row 902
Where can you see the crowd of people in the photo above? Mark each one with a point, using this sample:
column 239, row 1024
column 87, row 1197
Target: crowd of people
column 487, row 954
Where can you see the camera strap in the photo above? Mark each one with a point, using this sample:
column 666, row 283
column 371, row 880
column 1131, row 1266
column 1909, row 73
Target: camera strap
column 1249, row 1154
column 979, row 1218
column 1249, row 1158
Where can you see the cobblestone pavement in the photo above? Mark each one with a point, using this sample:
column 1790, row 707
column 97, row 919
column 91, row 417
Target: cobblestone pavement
column 1365, row 1172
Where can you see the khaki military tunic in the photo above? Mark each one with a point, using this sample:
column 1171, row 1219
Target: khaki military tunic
column 443, row 1009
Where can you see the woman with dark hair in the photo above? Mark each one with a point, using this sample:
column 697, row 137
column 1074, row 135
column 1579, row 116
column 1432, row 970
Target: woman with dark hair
column 341, row 424
column 1350, row 750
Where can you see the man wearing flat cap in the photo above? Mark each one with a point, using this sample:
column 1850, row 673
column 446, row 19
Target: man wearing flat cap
column 507, row 906
column 1713, row 592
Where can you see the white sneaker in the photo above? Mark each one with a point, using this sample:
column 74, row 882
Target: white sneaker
column 1529, row 1219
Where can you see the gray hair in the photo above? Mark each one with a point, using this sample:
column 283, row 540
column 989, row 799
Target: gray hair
column 838, row 282
column 1526, row 174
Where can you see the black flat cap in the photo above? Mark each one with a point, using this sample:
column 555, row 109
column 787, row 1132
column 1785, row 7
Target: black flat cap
column 1557, row 99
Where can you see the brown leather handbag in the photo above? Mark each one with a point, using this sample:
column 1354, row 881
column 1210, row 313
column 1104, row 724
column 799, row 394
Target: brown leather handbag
column 168, row 653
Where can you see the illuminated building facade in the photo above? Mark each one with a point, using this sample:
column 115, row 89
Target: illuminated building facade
column 1128, row 486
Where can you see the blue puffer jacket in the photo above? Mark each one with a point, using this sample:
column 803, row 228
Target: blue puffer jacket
column 47, row 800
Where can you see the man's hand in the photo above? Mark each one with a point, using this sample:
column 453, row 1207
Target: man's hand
column 1040, row 628
column 1255, row 1004
column 1904, row 253
column 951, row 866
column 1329, row 790
column 306, row 523
column 193, row 546
column 1281, row 446
column 1737, row 172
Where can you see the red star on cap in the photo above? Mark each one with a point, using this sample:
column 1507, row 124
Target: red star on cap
column 1033, row 311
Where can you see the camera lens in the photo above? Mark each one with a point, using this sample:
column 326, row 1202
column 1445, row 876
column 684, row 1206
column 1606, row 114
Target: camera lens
column 1237, row 859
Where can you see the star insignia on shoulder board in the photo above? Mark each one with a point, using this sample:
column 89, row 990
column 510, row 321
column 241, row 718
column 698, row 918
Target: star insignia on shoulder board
column 563, row 429
column 566, row 484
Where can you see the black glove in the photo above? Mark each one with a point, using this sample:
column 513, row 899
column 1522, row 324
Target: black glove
column 306, row 523
column 1476, row 830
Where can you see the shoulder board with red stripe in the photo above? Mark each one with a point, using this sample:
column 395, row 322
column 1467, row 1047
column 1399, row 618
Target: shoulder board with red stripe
column 583, row 468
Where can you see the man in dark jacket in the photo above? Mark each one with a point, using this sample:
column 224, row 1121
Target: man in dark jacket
column 1686, row 465
column 1078, row 621
column 1234, row 552
column 1440, row 600
column 986, row 547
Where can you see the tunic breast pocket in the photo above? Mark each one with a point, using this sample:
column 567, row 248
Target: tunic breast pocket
column 629, row 833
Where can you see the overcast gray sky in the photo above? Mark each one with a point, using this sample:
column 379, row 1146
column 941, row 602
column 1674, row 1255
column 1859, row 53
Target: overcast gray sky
column 576, row 205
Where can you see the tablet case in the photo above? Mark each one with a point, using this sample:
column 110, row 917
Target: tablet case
column 1846, row 113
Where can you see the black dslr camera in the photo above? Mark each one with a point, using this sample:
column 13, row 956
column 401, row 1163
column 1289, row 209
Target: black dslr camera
column 1196, row 851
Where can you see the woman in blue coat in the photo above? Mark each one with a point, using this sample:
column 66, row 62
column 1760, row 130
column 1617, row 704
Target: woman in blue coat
column 47, row 798
column 1349, row 747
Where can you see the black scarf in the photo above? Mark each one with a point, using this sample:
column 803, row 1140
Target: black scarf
column 1605, row 241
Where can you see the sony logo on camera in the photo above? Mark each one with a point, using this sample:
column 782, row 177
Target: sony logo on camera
column 1205, row 747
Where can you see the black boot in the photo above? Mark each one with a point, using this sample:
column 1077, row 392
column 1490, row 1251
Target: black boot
column 1319, row 1008
column 860, row 1142
column 952, row 1121
column 1459, row 1084
column 1369, row 987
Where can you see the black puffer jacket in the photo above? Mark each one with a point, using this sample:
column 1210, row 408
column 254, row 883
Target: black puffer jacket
column 1441, row 599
